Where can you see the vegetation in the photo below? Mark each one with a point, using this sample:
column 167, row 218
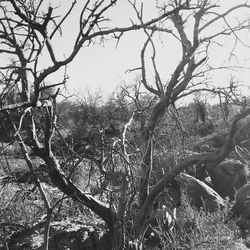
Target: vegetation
column 106, row 175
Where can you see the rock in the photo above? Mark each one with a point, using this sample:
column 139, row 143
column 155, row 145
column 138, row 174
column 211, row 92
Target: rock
column 227, row 177
column 199, row 193
column 240, row 211
column 65, row 234
column 242, row 202
column 205, row 144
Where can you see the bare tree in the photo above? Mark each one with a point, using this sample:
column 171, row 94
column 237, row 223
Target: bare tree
column 193, row 64
column 27, row 35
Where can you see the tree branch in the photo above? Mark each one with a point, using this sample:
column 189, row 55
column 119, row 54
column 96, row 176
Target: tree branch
column 198, row 159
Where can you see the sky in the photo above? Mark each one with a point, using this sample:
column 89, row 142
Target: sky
column 104, row 67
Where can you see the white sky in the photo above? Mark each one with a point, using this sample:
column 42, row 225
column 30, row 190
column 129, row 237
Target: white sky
column 103, row 68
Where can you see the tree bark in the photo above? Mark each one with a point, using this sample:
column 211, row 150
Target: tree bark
column 59, row 179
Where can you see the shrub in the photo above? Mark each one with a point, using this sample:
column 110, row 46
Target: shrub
column 199, row 230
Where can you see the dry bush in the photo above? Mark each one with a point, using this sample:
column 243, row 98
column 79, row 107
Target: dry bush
column 195, row 229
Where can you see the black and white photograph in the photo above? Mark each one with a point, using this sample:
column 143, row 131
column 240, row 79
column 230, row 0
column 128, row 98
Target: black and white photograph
column 124, row 124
